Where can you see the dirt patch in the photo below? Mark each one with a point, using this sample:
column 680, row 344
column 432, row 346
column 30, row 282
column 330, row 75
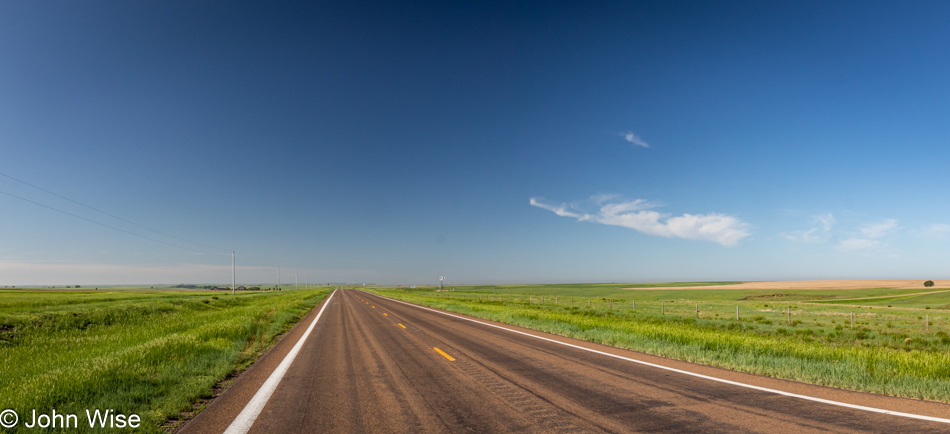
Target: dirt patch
column 814, row 284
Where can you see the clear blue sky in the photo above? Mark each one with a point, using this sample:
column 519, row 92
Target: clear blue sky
column 509, row 142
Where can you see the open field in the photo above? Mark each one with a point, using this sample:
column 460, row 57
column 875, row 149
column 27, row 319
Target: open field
column 144, row 352
column 817, row 284
column 151, row 288
column 897, row 342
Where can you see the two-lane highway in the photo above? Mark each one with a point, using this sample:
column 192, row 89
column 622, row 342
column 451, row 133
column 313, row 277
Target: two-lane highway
column 372, row 364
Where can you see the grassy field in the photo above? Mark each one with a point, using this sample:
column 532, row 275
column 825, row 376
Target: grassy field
column 154, row 354
column 803, row 335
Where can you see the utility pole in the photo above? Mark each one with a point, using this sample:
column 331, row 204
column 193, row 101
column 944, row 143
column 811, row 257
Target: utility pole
column 232, row 272
column 278, row 278
column 295, row 282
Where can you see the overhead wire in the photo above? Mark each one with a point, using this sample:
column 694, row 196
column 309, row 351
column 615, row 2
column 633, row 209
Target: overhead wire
column 106, row 213
column 254, row 261
column 105, row 225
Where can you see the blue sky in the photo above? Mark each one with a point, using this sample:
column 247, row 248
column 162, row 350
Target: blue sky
column 508, row 142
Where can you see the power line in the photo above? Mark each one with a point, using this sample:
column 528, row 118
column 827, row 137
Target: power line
column 254, row 262
column 106, row 213
column 105, row 225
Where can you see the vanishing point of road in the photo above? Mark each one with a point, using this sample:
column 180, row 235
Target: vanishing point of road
column 371, row 364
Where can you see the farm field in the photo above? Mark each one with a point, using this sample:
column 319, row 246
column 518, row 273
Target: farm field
column 888, row 340
column 150, row 353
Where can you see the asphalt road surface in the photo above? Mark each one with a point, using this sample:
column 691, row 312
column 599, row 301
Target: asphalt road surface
column 371, row 364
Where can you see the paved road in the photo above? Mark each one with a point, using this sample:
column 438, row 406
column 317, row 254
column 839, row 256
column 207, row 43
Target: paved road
column 377, row 365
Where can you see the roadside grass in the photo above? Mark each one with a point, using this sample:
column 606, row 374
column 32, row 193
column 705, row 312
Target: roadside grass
column 888, row 350
column 153, row 354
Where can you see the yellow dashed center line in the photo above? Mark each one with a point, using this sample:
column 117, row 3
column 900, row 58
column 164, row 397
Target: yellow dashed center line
column 400, row 325
column 374, row 307
column 451, row 359
column 385, row 314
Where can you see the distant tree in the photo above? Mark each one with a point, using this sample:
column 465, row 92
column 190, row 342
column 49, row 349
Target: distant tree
column 929, row 283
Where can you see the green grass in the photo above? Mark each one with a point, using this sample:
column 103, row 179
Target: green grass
column 889, row 350
column 154, row 354
column 587, row 289
column 933, row 299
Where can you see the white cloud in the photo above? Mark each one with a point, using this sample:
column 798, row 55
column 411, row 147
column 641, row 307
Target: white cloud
column 878, row 230
column 601, row 198
column 938, row 229
column 814, row 235
column 854, row 244
column 636, row 214
column 867, row 239
column 633, row 138
column 826, row 220
column 808, row 236
column 560, row 210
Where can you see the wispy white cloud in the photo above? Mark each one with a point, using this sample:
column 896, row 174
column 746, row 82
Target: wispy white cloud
column 561, row 210
column 937, row 229
column 818, row 234
column 636, row 140
column 880, row 229
column 867, row 237
column 809, row 236
column 826, row 220
column 637, row 214
column 601, row 198
column 855, row 244
column 871, row 232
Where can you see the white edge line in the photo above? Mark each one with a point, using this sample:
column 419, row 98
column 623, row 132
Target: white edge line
column 721, row 380
column 244, row 420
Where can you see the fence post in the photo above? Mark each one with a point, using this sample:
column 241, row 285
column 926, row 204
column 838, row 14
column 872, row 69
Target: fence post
column 588, row 302
column 572, row 301
column 697, row 310
column 789, row 315
column 852, row 319
column 610, row 304
column 634, row 305
column 555, row 299
column 737, row 312
column 662, row 308
column 927, row 323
